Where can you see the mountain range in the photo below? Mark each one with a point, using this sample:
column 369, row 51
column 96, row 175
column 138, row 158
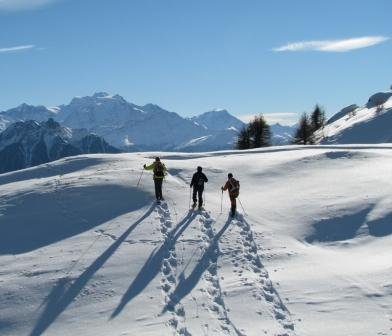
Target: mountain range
column 130, row 127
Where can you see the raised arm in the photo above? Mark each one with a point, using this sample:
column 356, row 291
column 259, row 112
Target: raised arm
column 150, row 167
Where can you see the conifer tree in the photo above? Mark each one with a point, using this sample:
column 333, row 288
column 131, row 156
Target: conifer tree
column 256, row 134
column 260, row 132
column 304, row 133
column 317, row 118
column 243, row 140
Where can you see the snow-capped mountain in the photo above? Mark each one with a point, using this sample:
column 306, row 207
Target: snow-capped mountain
column 218, row 120
column 159, row 129
column 367, row 124
column 99, row 113
column 281, row 134
column 30, row 143
column 26, row 112
column 132, row 127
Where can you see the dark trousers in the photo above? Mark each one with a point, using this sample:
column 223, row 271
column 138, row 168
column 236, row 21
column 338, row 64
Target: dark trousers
column 158, row 188
column 198, row 195
column 233, row 202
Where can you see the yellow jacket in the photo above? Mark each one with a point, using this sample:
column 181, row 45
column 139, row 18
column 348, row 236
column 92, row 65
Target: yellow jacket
column 152, row 167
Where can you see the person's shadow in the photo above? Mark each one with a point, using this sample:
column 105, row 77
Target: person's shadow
column 66, row 290
column 186, row 285
column 153, row 265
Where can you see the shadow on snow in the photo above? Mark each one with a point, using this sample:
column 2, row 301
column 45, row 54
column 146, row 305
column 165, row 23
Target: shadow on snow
column 26, row 225
column 66, row 290
column 186, row 285
column 347, row 227
column 70, row 165
column 153, row 265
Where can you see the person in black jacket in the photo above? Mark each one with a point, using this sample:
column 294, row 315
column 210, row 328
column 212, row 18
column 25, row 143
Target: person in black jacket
column 197, row 183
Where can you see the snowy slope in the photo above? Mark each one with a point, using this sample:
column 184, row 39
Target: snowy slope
column 84, row 251
column 368, row 124
column 5, row 122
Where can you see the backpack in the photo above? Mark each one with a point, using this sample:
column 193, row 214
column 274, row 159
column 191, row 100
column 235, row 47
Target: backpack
column 159, row 169
column 234, row 187
column 200, row 180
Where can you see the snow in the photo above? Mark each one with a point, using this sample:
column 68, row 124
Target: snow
column 85, row 251
column 367, row 124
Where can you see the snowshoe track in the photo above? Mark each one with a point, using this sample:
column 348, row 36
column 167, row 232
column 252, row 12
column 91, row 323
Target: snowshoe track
column 263, row 284
column 211, row 277
column 169, row 273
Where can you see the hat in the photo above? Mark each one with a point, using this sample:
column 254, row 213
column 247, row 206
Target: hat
column 229, row 175
column 157, row 159
column 199, row 169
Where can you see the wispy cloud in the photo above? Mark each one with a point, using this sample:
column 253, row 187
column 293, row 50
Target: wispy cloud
column 17, row 49
column 283, row 118
column 14, row 5
column 334, row 45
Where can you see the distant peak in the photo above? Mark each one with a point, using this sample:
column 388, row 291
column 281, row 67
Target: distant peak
column 24, row 106
column 102, row 95
column 219, row 110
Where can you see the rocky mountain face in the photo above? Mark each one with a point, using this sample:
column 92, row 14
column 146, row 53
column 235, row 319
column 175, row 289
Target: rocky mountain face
column 30, row 143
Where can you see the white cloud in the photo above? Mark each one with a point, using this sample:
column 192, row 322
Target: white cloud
column 17, row 49
column 13, row 5
column 334, row 45
column 283, row 118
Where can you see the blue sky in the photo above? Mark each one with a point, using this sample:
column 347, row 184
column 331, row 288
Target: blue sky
column 276, row 57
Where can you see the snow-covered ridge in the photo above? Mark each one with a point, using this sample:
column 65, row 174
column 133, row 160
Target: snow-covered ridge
column 366, row 124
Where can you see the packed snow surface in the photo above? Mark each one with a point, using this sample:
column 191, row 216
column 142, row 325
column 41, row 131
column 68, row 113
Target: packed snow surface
column 84, row 249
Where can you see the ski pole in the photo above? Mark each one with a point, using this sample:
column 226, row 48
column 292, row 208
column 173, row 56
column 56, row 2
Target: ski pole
column 190, row 195
column 138, row 182
column 221, row 201
column 242, row 207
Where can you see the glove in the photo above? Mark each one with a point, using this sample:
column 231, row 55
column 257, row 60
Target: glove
column 144, row 166
column 222, row 188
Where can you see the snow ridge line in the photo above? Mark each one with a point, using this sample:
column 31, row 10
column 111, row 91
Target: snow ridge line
column 264, row 283
column 169, row 273
column 211, row 277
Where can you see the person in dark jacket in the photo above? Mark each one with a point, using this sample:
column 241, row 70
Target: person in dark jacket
column 198, row 180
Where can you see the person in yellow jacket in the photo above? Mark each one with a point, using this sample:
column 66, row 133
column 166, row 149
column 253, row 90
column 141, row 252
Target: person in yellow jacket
column 159, row 170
